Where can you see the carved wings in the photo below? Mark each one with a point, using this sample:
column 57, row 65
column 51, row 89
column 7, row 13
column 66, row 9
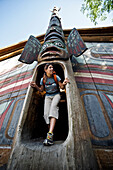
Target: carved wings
column 76, row 45
column 31, row 51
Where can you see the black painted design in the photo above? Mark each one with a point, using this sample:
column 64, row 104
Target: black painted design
column 54, row 46
column 76, row 45
column 14, row 110
column 95, row 115
column 31, row 51
column 108, row 107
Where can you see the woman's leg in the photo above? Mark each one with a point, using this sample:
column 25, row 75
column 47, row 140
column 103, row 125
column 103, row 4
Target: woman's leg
column 54, row 112
column 52, row 124
column 52, row 118
column 49, row 139
column 47, row 105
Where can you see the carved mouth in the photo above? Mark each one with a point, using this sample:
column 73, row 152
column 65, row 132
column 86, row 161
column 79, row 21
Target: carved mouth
column 51, row 51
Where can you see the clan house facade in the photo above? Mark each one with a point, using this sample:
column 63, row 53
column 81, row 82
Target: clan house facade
column 84, row 132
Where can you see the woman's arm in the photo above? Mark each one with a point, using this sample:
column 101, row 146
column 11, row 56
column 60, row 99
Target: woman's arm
column 34, row 85
column 62, row 85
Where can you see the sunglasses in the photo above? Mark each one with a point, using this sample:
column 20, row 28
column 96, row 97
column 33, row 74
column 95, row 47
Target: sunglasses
column 47, row 65
column 50, row 67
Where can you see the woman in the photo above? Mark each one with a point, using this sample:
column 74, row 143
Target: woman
column 52, row 98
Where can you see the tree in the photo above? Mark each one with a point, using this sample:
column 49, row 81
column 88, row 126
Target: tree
column 97, row 9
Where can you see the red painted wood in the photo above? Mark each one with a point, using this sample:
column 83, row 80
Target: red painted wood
column 2, row 117
column 96, row 80
column 15, row 88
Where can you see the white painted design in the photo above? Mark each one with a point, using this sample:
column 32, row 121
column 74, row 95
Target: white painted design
column 110, row 97
column 5, row 147
column 15, row 84
column 95, row 75
column 4, row 106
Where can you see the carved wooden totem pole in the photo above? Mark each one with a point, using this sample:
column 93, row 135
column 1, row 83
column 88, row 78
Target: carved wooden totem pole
column 72, row 147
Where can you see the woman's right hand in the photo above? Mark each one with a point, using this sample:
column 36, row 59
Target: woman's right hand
column 33, row 84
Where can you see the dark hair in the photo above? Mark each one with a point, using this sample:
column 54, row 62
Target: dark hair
column 47, row 65
column 45, row 68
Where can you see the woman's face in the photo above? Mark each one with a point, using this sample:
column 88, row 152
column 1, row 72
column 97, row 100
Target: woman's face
column 49, row 70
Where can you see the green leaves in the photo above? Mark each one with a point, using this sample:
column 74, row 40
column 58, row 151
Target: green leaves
column 97, row 9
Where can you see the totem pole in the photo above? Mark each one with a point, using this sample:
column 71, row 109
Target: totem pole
column 74, row 150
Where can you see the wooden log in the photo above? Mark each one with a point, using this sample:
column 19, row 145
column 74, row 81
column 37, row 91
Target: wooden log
column 75, row 152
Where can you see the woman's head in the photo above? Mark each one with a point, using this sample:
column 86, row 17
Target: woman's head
column 48, row 69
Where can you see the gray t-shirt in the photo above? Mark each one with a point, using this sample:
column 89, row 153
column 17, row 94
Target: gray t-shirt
column 51, row 87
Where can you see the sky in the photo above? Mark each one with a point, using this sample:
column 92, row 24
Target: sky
column 21, row 18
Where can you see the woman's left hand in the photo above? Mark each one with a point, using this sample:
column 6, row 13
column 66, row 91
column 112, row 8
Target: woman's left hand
column 66, row 81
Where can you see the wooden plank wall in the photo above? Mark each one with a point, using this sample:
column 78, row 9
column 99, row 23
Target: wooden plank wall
column 14, row 81
column 94, row 76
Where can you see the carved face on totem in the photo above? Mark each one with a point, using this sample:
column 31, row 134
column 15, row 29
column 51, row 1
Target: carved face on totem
column 54, row 46
column 54, row 49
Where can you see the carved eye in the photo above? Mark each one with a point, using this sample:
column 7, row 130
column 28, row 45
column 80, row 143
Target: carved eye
column 59, row 44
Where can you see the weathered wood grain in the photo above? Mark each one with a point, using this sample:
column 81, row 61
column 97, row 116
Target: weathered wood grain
column 13, row 76
column 74, row 153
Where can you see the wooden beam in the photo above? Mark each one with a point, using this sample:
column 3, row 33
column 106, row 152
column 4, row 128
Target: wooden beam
column 18, row 46
column 12, row 54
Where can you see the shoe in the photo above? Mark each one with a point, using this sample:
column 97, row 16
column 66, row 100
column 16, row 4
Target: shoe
column 49, row 139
